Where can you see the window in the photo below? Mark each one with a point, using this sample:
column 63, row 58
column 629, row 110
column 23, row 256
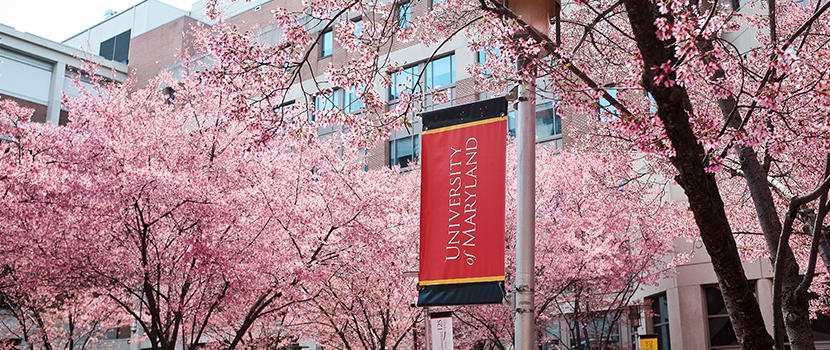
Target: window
column 598, row 332
column 660, row 321
column 441, row 72
column 721, row 333
column 170, row 94
column 548, row 123
column 358, row 24
column 326, row 101
column 481, row 58
column 116, row 48
column 404, row 14
column 405, row 150
column 434, row 3
column 402, row 80
column 124, row 332
column 554, row 334
column 284, row 111
column 607, row 112
column 353, row 103
column 326, row 43
column 820, row 324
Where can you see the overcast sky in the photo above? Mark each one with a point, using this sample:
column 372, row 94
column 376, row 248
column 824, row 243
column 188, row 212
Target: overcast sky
column 60, row 19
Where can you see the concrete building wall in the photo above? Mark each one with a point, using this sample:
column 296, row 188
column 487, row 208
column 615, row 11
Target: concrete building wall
column 35, row 72
column 744, row 38
column 229, row 8
column 139, row 19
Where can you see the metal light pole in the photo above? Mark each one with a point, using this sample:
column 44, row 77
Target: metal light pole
column 526, row 198
column 537, row 14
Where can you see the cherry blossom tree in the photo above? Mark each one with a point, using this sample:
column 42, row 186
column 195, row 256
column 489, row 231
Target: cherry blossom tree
column 364, row 301
column 597, row 216
column 700, row 108
column 674, row 87
column 173, row 216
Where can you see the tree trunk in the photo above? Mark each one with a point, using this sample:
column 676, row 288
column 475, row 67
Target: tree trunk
column 794, row 302
column 700, row 187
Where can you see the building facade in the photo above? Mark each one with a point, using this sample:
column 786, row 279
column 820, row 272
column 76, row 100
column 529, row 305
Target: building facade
column 35, row 72
column 685, row 310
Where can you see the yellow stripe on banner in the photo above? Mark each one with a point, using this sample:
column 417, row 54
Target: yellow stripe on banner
column 462, row 280
column 465, row 125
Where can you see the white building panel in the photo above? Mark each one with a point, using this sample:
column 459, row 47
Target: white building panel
column 24, row 76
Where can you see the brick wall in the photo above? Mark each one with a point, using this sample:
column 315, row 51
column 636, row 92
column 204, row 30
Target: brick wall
column 379, row 155
column 39, row 113
column 160, row 48
column 465, row 90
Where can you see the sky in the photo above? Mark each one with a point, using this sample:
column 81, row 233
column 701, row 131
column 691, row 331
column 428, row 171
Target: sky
column 57, row 20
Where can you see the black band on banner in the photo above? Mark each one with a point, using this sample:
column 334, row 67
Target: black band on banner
column 461, row 294
column 466, row 113
column 440, row 314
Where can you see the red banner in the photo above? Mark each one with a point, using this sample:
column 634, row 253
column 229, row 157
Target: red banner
column 462, row 202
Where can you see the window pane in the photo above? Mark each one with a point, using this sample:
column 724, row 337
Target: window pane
column 121, row 52
column 402, row 151
column 720, row 328
column 547, row 122
column 714, row 302
column 511, row 123
column 404, row 15
column 660, row 308
column 416, row 140
column 660, row 321
column 441, row 72
column 607, row 112
column 325, row 102
column 358, row 28
column 821, row 327
column 663, row 340
column 544, row 124
column 327, row 43
column 721, row 332
column 353, row 103
column 403, row 147
column 401, row 81
column 285, row 111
